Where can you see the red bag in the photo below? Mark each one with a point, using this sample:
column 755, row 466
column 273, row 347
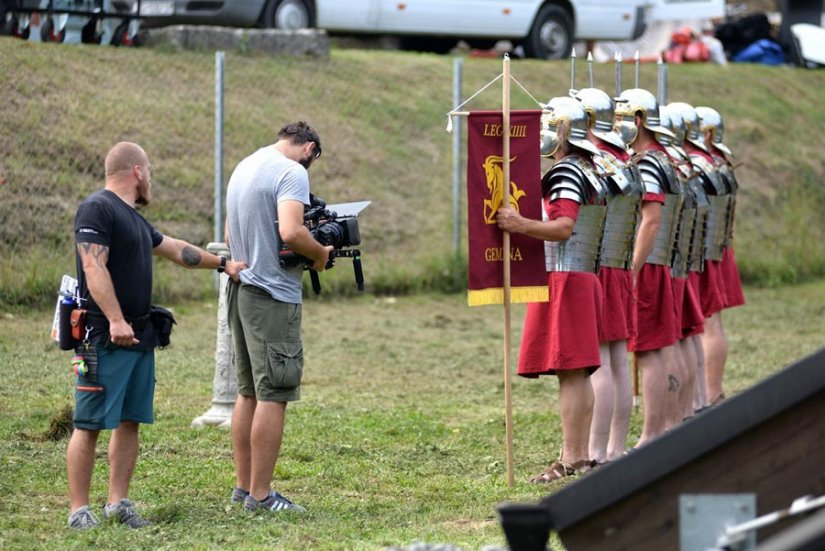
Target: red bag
column 77, row 321
column 697, row 51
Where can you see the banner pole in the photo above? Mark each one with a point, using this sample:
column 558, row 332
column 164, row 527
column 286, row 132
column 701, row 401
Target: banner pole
column 505, row 254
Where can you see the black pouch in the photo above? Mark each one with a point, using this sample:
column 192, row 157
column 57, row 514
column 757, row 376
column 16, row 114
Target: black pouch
column 162, row 321
column 89, row 354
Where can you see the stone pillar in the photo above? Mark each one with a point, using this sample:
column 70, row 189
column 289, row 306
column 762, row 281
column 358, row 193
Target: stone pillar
column 224, row 385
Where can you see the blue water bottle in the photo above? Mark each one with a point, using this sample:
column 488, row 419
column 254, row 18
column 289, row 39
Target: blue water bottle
column 64, row 326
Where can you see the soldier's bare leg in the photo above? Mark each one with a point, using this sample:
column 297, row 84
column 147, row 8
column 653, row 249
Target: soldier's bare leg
column 715, row 346
column 576, row 405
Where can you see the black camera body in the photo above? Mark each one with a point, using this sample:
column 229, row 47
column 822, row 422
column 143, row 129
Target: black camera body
column 328, row 228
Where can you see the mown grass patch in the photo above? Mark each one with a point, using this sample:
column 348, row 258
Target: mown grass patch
column 398, row 438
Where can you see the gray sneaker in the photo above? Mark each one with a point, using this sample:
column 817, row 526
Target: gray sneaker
column 124, row 513
column 83, row 519
column 273, row 502
column 238, row 495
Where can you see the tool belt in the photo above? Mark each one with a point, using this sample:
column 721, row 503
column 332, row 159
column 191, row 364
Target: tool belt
column 153, row 329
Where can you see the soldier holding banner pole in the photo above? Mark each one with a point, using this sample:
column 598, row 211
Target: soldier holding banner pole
column 561, row 337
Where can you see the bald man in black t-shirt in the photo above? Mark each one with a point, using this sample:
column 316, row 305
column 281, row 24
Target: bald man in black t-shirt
column 115, row 245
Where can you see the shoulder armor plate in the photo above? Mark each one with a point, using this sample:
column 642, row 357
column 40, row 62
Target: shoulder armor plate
column 573, row 173
column 656, row 164
column 622, row 178
column 710, row 175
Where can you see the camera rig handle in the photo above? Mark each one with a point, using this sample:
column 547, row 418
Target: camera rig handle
column 354, row 254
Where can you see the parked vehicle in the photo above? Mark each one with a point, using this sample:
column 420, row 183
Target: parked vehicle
column 114, row 22
column 544, row 28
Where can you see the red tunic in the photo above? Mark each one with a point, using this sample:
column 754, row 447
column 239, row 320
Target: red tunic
column 730, row 275
column 693, row 320
column 679, row 286
column 562, row 334
column 656, row 322
column 656, row 325
column 711, row 289
column 618, row 308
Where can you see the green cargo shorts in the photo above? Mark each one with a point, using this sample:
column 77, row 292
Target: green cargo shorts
column 266, row 335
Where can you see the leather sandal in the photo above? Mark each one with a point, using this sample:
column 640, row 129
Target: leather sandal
column 559, row 470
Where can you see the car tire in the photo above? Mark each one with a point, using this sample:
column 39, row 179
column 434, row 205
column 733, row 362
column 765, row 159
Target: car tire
column 47, row 33
column 89, row 34
column 12, row 28
column 288, row 15
column 120, row 37
column 551, row 36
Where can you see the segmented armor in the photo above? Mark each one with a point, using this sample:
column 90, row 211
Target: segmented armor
column 719, row 206
column 624, row 198
column 729, row 179
column 688, row 253
column 659, row 176
column 574, row 178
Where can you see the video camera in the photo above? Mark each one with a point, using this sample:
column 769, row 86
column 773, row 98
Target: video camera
column 338, row 228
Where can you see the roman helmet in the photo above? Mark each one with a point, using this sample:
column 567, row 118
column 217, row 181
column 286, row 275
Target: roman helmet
column 631, row 102
column 666, row 122
column 677, row 125
column 599, row 106
column 564, row 108
column 710, row 119
column 693, row 133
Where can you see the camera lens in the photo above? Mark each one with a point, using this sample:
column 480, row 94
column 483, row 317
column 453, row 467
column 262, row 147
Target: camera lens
column 331, row 233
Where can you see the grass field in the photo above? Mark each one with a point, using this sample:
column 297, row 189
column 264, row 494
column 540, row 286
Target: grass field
column 398, row 438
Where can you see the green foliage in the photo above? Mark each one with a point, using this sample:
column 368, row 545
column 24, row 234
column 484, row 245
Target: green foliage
column 399, row 436
column 381, row 116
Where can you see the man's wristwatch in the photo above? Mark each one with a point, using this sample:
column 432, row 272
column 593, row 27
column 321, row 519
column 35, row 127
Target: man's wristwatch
column 222, row 268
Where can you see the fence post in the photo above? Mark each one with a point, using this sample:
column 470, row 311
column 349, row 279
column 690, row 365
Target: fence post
column 458, row 64
column 218, row 233
column 224, row 384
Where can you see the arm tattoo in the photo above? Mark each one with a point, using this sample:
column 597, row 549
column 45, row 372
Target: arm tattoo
column 190, row 256
column 100, row 253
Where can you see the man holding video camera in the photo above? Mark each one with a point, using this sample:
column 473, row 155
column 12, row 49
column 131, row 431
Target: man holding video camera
column 265, row 203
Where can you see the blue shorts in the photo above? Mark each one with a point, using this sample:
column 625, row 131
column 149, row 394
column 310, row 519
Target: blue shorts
column 120, row 387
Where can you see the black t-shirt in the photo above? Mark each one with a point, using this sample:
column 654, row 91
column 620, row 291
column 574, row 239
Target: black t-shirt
column 103, row 218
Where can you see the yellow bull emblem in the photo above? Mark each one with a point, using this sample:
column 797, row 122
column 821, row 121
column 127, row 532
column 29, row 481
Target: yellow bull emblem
column 495, row 184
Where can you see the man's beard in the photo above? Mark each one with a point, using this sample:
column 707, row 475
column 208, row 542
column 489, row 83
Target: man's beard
column 306, row 162
column 143, row 195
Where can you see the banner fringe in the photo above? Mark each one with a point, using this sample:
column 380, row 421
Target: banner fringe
column 518, row 295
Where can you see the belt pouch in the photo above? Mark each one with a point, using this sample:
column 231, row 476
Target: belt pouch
column 77, row 321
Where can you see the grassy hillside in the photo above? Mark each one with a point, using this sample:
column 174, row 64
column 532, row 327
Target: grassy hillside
column 381, row 116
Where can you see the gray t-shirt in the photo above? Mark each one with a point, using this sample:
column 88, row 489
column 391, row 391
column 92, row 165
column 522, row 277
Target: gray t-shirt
column 257, row 185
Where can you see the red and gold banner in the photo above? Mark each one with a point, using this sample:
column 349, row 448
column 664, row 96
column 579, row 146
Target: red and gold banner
column 485, row 192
